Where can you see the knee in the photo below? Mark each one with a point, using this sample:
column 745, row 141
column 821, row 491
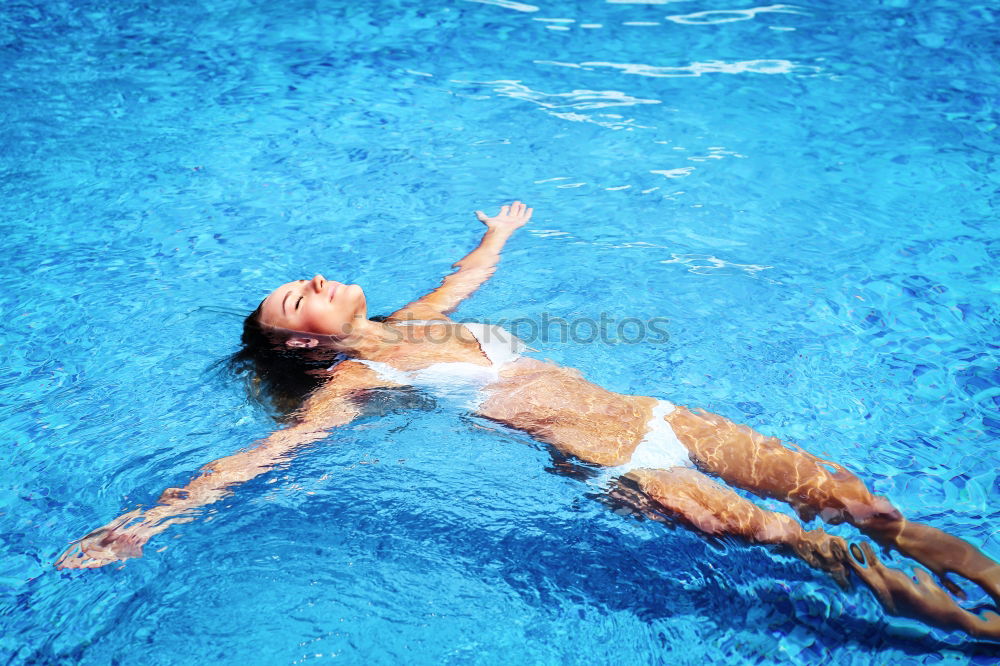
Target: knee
column 876, row 515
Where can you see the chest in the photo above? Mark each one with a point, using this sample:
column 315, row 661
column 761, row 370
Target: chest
column 417, row 348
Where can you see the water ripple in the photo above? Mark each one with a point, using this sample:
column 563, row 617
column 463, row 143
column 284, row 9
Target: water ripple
column 164, row 164
column 717, row 16
column 705, row 264
column 567, row 106
column 575, row 99
column 760, row 66
column 507, row 4
column 674, row 173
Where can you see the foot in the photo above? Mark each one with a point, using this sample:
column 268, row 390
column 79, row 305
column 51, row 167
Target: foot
column 945, row 554
column 922, row 599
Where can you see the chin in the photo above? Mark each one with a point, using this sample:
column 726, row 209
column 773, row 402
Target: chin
column 358, row 296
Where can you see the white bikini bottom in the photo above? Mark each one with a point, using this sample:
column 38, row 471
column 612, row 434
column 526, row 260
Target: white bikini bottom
column 659, row 449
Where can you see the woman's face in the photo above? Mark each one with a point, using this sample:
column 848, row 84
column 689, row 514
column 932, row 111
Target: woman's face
column 315, row 306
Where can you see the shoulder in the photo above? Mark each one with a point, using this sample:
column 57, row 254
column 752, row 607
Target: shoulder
column 352, row 375
column 348, row 380
column 416, row 311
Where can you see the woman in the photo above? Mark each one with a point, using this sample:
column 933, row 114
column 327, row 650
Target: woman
column 659, row 454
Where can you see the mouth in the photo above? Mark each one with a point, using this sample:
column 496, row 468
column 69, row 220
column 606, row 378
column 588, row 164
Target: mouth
column 333, row 291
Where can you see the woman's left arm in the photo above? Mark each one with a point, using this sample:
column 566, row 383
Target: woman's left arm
column 473, row 269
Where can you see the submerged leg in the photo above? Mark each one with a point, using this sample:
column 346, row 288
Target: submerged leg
column 922, row 599
column 716, row 510
column 813, row 486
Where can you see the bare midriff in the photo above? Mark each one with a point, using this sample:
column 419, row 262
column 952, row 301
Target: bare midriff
column 551, row 403
column 558, row 406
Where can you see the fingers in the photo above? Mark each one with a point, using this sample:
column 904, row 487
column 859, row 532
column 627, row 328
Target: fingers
column 514, row 212
column 75, row 557
column 103, row 546
column 83, row 562
column 69, row 557
column 515, row 209
column 518, row 209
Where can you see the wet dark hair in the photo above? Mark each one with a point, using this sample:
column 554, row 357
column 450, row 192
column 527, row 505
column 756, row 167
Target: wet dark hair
column 278, row 377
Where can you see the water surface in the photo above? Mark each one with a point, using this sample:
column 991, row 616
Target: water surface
column 808, row 192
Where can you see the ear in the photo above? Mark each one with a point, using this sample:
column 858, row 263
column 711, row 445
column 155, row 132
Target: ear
column 302, row 343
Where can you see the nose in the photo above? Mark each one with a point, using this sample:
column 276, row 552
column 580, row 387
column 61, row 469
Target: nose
column 317, row 282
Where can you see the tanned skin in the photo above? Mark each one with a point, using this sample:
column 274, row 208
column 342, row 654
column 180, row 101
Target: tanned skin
column 556, row 405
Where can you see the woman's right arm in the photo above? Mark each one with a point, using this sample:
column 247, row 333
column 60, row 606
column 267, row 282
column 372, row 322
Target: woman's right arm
column 331, row 406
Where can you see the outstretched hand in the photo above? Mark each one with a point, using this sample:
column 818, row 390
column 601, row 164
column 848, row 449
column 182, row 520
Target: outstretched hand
column 509, row 218
column 111, row 543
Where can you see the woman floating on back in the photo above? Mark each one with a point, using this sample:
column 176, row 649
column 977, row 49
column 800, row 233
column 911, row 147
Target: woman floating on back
column 314, row 338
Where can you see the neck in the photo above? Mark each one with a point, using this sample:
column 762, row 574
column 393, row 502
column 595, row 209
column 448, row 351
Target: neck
column 367, row 339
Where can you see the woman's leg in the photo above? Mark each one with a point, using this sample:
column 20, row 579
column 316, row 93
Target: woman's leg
column 922, row 598
column 713, row 509
column 763, row 465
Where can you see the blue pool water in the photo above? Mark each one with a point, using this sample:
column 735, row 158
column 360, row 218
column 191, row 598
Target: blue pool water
column 808, row 192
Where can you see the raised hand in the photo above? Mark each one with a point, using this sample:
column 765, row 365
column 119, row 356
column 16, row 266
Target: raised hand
column 509, row 218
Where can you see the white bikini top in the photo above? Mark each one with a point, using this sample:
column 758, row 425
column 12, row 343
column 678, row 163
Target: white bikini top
column 458, row 380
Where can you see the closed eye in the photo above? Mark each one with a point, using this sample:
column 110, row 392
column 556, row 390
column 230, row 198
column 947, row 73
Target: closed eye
column 297, row 302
